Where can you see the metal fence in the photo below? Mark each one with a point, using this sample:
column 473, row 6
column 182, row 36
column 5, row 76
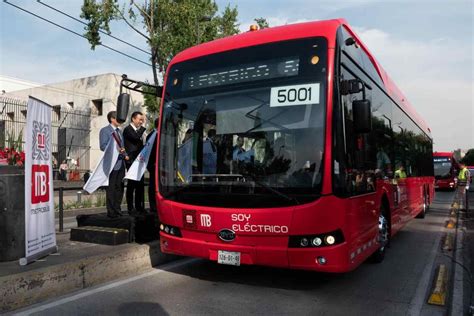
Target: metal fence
column 70, row 131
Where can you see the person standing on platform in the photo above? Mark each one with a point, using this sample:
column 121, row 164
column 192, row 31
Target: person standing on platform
column 63, row 171
column 151, row 167
column 114, row 191
column 133, row 135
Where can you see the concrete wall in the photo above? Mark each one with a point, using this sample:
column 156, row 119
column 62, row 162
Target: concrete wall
column 80, row 94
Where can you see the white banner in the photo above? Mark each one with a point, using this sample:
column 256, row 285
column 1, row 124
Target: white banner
column 137, row 169
column 100, row 176
column 39, row 193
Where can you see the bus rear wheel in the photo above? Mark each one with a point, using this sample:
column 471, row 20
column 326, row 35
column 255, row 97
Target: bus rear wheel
column 383, row 238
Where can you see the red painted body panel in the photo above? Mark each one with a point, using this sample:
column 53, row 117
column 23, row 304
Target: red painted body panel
column 356, row 217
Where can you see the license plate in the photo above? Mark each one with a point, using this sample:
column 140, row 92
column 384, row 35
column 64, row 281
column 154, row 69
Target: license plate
column 228, row 257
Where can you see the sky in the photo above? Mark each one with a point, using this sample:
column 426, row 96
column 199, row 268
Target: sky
column 426, row 46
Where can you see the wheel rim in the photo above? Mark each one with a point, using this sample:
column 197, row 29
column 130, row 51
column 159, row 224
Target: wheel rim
column 425, row 203
column 383, row 232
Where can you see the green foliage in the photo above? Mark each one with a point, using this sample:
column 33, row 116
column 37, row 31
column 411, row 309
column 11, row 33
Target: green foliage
column 99, row 15
column 15, row 143
column 262, row 23
column 227, row 23
column 87, row 203
column 99, row 200
column 151, row 102
column 468, row 159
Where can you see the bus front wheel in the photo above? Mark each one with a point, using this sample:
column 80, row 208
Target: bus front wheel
column 383, row 238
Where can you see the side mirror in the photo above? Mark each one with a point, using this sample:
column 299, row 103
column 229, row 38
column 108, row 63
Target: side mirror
column 123, row 103
column 362, row 116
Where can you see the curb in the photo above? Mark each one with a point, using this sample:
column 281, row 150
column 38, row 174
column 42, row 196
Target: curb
column 81, row 211
column 22, row 289
column 438, row 293
column 91, row 210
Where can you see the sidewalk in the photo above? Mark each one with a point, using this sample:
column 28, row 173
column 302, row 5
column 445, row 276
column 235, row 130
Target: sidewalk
column 76, row 266
column 468, row 254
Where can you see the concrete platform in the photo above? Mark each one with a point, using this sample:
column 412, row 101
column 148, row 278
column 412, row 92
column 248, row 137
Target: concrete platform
column 76, row 266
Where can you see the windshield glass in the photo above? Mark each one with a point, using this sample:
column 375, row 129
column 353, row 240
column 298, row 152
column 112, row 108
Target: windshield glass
column 442, row 167
column 243, row 129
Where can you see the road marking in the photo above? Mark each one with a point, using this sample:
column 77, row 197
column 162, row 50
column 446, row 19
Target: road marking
column 162, row 268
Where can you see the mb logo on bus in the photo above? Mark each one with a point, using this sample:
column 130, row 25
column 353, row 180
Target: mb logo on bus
column 206, row 220
column 39, row 184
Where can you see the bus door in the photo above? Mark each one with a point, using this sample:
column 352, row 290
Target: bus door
column 363, row 186
column 360, row 179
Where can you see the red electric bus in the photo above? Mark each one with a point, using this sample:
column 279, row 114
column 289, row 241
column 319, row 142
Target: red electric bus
column 446, row 170
column 278, row 147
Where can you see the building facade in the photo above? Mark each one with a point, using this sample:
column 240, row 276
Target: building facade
column 80, row 108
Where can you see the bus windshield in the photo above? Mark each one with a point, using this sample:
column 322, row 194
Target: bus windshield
column 244, row 129
column 442, row 167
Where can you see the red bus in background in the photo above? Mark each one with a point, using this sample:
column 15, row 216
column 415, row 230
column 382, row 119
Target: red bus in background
column 279, row 147
column 446, row 170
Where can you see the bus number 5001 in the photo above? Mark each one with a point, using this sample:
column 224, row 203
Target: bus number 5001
column 295, row 95
column 292, row 95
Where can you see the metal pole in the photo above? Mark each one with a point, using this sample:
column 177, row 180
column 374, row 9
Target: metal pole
column 467, row 203
column 61, row 210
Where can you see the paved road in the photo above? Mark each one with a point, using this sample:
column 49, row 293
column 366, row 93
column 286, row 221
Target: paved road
column 398, row 286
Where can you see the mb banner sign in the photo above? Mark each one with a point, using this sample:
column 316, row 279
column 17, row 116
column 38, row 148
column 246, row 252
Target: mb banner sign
column 40, row 234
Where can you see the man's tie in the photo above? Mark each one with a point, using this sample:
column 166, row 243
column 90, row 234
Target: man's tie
column 117, row 130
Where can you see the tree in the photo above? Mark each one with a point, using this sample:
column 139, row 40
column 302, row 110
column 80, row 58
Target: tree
column 262, row 23
column 168, row 26
column 468, row 159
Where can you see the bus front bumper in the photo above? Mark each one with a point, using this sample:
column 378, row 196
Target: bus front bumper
column 327, row 259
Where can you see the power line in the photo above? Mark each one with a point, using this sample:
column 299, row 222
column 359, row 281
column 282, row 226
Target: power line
column 73, row 32
column 80, row 21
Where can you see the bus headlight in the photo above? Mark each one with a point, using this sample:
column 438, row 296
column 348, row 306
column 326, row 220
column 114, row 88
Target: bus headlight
column 168, row 229
column 330, row 240
column 304, row 242
column 320, row 240
column 316, row 241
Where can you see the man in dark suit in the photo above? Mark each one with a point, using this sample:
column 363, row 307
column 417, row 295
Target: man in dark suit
column 133, row 135
column 151, row 167
column 114, row 192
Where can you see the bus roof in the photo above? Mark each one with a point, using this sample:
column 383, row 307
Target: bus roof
column 327, row 28
column 442, row 154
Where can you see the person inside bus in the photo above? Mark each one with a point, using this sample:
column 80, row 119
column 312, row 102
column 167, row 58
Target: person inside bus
column 384, row 165
column 360, row 182
column 400, row 173
column 185, row 157
column 240, row 154
column 209, row 149
column 280, row 149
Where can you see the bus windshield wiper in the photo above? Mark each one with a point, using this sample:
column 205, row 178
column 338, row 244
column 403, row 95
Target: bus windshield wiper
column 269, row 188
